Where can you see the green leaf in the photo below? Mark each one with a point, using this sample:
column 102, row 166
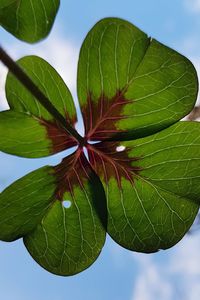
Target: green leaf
column 28, row 20
column 170, row 159
column 48, row 81
column 129, row 85
column 22, row 135
column 26, row 114
column 25, row 202
column 68, row 240
column 152, row 186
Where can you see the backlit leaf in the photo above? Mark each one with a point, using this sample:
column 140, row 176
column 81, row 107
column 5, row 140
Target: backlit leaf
column 68, row 240
column 170, row 159
column 129, row 85
column 140, row 182
column 152, row 186
column 47, row 80
column 28, row 120
column 25, row 202
column 23, row 135
column 28, row 20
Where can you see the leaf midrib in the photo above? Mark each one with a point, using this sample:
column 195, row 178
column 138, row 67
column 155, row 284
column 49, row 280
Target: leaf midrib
column 101, row 119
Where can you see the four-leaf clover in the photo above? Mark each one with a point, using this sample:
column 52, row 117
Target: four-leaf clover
column 139, row 181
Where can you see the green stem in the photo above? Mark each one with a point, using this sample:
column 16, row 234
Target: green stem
column 38, row 94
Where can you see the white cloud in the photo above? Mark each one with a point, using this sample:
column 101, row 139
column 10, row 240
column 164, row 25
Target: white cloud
column 3, row 102
column 149, row 285
column 186, row 256
column 190, row 46
column 193, row 5
column 62, row 54
column 185, row 265
column 196, row 62
column 170, row 275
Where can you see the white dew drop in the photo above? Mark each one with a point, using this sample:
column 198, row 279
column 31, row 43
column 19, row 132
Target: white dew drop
column 66, row 203
column 120, row 148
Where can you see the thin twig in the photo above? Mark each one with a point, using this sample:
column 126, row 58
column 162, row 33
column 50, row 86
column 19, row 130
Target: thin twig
column 38, row 94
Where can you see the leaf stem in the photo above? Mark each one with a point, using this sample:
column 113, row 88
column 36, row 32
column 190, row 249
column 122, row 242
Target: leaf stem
column 38, row 94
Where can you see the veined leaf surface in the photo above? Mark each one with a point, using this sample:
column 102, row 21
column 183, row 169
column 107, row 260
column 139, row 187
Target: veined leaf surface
column 25, row 202
column 48, row 81
column 152, row 186
column 68, row 240
column 129, row 85
column 170, row 159
column 23, row 135
column 26, row 111
column 28, row 20
column 63, row 240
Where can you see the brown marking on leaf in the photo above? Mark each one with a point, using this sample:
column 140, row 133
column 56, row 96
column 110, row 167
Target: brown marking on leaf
column 100, row 117
column 108, row 162
column 61, row 139
column 70, row 172
column 104, row 159
column 75, row 170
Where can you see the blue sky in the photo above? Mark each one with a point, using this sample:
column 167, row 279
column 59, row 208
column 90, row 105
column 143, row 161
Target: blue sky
column 117, row 274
